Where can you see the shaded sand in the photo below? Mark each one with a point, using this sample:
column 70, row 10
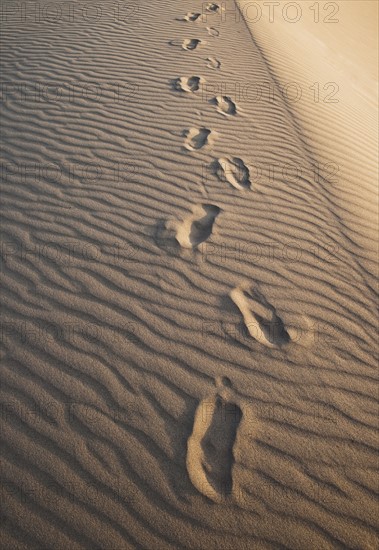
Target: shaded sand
column 210, row 456
column 135, row 270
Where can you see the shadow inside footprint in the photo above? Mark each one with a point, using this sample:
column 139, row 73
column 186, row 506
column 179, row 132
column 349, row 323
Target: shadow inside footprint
column 191, row 16
column 197, row 138
column 191, row 44
column 260, row 317
column 212, row 31
column 234, row 171
column 217, row 446
column 187, row 84
column 197, row 227
column 273, row 329
column 213, row 63
column 210, row 456
column 212, row 7
column 201, row 228
column 225, row 105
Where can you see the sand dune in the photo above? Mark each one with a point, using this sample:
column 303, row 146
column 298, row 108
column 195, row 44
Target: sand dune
column 326, row 67
column 188, row 313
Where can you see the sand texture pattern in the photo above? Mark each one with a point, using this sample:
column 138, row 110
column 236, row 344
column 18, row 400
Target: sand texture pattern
column 188, row 329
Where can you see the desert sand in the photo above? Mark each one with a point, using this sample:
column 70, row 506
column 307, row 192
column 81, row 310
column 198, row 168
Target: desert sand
column 189, row 322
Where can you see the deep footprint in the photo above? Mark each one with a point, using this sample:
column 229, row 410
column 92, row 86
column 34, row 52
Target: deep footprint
column 234, row 171
column 210, row 456
column 212, row 8
column 197, row 138
column 225, row 105
column 260, row 317
column 191, row 44
column 188, row 84
column 198, row 227
column 213, row 63
column 191, row 16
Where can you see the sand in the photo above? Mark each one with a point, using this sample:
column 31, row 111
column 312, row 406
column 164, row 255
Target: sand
column 189, row 328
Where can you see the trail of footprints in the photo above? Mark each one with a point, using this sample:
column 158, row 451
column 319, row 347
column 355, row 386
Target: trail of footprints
column 210, row 447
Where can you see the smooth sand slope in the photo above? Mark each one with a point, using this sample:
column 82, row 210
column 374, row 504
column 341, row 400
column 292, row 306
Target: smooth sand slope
column 188, row 338
column 323, row 57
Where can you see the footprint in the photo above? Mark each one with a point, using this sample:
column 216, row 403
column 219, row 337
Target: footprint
column 212, row 31
column 234, row 171
column 188, row 84
column 212, row 8
column 191, row 44
column 197, row 227
column 260, row 317
column 191, row 16
column 210, row 456
column 197, row 138
column 213, row 63
column 225, row 105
